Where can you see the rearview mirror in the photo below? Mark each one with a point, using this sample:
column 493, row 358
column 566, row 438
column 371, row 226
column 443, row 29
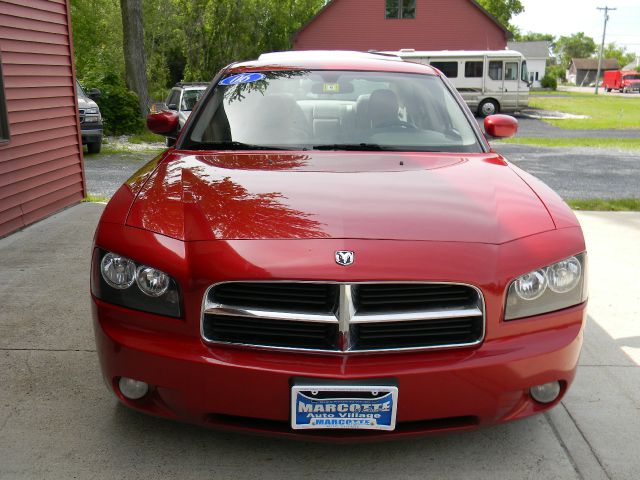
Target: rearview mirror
column 500, row 126
column 163, row 123
column 94, row 94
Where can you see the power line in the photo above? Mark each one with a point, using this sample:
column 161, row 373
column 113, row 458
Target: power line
column 604, row 33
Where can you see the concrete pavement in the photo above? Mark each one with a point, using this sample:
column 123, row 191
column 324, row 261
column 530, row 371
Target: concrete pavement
column 57, row 420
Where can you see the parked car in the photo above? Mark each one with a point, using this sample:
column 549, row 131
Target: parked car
column 182, row 99
column 331, row 247
column 624, row 81
column 90, row 118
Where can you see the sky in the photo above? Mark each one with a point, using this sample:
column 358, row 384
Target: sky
column 564, row 17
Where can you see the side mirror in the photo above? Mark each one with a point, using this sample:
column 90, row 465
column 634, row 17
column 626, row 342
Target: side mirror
column 163, row 123
column 94, row 94
column 500, row 126
column 173, row 106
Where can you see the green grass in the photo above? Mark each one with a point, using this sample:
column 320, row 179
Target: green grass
column 112, row 150
column 534, row 93
column 91, row 198
column 605, row 112
column 607, row 205
column 632, row 144
column 146, row 137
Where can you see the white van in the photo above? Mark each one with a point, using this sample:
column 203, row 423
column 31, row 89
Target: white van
column 490, row 81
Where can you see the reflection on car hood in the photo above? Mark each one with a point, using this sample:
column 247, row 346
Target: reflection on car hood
column 400, row 196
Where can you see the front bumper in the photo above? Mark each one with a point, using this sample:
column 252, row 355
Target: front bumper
column 92, row 134
column 249, row 389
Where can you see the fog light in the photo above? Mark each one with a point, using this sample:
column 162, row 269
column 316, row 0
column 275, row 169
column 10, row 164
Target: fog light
column 545, row 393
column 132, row 389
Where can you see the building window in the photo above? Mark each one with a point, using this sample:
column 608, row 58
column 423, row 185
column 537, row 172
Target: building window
column 473, row 69
column 495, row 70
column 400, row 9
column 450, row 69
column 4, row 119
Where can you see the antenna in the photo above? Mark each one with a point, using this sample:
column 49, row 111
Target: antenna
column 604, row 33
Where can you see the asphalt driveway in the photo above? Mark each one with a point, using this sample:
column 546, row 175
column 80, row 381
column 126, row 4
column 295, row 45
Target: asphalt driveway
column 57, row 419
column 576, row 173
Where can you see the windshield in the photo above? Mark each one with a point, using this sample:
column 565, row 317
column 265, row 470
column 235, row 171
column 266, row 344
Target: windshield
column 80, row 90
column 327, row 110
column 190, row 98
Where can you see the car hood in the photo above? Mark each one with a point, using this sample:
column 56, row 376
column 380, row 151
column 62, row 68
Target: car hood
column 399, row 196
column 85, row 102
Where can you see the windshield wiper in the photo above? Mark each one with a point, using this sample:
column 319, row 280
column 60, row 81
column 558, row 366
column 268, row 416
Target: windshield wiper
column 233, row 146
column 352, row 146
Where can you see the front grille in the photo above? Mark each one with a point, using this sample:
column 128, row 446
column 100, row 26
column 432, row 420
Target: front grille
column 375, row 298
column 327, row 316
column 422, row 333
column 298, row 297
column 273, row 333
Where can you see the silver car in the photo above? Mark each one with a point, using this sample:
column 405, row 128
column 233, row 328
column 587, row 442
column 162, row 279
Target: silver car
column 182, row 99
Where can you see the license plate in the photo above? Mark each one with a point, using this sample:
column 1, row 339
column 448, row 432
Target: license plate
column 343, row 407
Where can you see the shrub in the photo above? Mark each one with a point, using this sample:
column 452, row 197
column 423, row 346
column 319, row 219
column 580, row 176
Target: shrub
column 118, row 106
column 549, row 82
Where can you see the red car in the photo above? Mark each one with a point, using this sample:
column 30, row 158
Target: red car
column 333, row 250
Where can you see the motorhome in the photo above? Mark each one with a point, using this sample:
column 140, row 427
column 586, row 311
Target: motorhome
column 490, row 81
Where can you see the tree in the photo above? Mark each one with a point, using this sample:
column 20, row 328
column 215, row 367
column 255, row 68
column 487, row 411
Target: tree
column 503, row 10
column 535, row 37
column 619, row 53
column 577, row 45
column 135, row 63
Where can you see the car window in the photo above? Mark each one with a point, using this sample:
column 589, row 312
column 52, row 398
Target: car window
column 473, row 69
column 511, row 71
column 495, row 70
column 450, row 69
column 174, row 98
column 332, row 109
column 190, row 98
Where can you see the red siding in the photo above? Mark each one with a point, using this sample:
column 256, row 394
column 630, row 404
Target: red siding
column 41, row 169
column 439, row 25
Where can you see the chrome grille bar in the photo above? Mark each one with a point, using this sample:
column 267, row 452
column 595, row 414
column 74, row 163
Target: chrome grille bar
column 467, row 322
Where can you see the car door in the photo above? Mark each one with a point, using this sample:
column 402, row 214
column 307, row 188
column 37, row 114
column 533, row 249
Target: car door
column 510, row 84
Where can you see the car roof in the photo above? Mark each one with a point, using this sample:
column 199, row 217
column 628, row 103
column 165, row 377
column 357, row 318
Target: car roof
column 331, row 60
column 185, row 85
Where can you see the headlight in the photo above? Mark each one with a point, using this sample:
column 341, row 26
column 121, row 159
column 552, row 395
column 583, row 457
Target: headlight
column 152, row 282
column 119, row 272
column 92, row 111
column 120, row 280
column 554, row 287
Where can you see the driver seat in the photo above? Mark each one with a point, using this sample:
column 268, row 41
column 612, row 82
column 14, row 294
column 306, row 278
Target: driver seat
column 383, row 108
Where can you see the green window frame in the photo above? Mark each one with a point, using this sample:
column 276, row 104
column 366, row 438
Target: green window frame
column 400, row 9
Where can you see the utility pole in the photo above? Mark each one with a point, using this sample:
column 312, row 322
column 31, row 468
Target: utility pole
column 604, row 33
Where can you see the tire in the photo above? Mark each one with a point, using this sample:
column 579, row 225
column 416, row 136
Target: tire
column 607, row 90
column 488, row 107
column 94, row 147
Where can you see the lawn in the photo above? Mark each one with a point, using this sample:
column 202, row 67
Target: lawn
column 605, row 112
column 600, row 204
column 632, row 144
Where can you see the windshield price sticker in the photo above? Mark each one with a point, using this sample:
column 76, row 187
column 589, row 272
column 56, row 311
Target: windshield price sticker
column 242, row 78
column 375, row 410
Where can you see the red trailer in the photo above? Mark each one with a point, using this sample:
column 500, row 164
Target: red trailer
column 624, row 80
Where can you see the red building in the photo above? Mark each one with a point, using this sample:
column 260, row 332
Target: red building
column 41, row 169
column 395, row 24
